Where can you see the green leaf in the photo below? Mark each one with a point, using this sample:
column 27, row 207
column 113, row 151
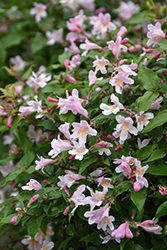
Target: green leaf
column 157, row 154
column 160, row 169
column 63, row 56
column 57, row 209
column 162, row 210
column 93, row 238
column 132, row 246
column 3, row 162
column 9, row 71
column 157, row 121
column 139, row 198
column 3, row 54
column 11, row 176
column 70, row 230
column 54, row 88
column 33, row 225
column 122, row 187
column 145, row 101
column 14, row 127
column 38, row 43
column 28, row 72
column 148, row 78
column 85, row 163
column 53, row 66
column 163, row 45
column 11, row 39
column 7, row 219
column 102, row 117
column 144, row 152
column 64, row 243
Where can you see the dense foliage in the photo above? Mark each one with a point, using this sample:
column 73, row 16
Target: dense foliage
column 83, row 129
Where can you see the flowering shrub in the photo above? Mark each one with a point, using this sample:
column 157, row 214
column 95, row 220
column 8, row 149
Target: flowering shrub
column 83, row 123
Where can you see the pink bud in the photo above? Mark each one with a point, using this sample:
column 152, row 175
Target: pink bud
column 133, row 214
column 101, row 144
column 159, row 21
column 116, row 148
column 19, row 149
column 109, row 136
column 9, row 122
column 104, row 133
column 136, row 186
column 50, row 99
column 8, row 104
column 71, row 79
column 72, row 157
column 99, row 10
column 54, row 106
column 45, row 181
column 135, row 48
column 126, row 168
column 66, row 63
column 156, row 56
column 34, row 198
column 149, row 51
column 122, row 31
column 164, row 72
column 147, row 223
column 125, row 40
column 65, row 190
column 66, row 211
column 14, row 219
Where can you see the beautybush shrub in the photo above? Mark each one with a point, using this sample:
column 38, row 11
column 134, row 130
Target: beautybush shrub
column 83, row 124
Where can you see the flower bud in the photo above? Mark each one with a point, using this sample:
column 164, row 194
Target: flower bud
column 9, row 122
column 136, row 186
column 34, row 198
column 14, row 219
column 50, row 99
column 66, row 211
column 71, row 79
column 125, row 40
column 126, row 168
column 65, row 190
column 101, row 144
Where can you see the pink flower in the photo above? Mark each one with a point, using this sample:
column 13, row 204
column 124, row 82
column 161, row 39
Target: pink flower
column 107, row 110
column 39, row 11
column 18, row 63
column 55, row 37
column 95, row 199
column 68, row 179
column 2, row 111
column 142, row 144
column 47, row 245
column 162, row 190
column 34, row 198
column 32, row 185
column 142, row 119
column 101, row 64
column 124, row 128
column 101, row 217
column 126, row 10
column 59, row 146
column 124, row 166
column 88, row 46
column 81, row 130
column 37, row 81
column 71, row 79
column 119, row 80
column 78, row 198
column 117, row 47
column 122, row 231
column 42, row 163
column 105, row 183
column 150, row 226
column 154, row 34
column 93, row 78
column 106, row 149
column 140, row 171
column 102, row 25
column 36, row 136
column 79, row 150
column 64, row 128
column 156, row 104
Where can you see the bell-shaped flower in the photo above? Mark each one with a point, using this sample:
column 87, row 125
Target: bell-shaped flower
column 88, row 46
column 78, row 198
column 150, row 226
column 42, row 163
column 81, row 130
column 124, row 128
column 154, row 34
column 39, row 11
column 113, row 109
column 18, row 63
column 68, row 179
column 122, row 231
column 117, row 47
column 100, row 65
column 92, row 77
column 95, row 199
column 55, row 37
column 142, row 119
column 79, row 150
column 32, row 185
column 101, row 217
column 127, row 9
column 118, row 81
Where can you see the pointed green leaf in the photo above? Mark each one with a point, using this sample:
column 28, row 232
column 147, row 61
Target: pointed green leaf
column 157, row 121
column 160, row 169
column 33, row 225
column 145, row 101
column 139, row 198
column 157, row 154
column 85, row 163
column 122, row 187
column 148, row 78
